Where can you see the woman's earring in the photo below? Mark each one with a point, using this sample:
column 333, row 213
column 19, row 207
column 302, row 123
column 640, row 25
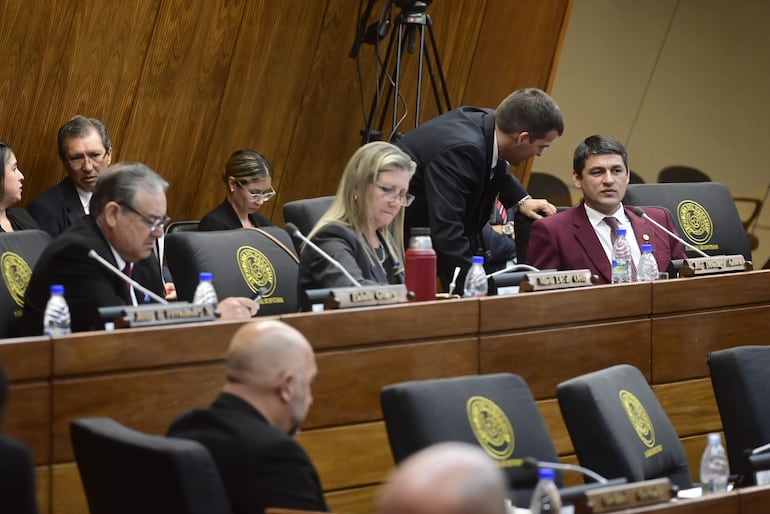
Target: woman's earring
column 355, row 197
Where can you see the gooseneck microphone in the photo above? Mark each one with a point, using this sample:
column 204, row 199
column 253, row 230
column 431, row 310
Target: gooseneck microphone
column 292, row 229
column 513, row 267
column 104, row 262
column 532, row 462
column 640, row 212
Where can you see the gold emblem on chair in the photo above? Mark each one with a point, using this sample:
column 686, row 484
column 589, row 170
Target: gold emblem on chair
column 641, row 421
column 695, row 221
column 16, row 275
column 491, row 427
column 257, row 270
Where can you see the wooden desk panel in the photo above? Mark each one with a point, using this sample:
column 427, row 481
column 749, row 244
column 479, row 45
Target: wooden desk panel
column 544, row 358
column 726, row 503
column 26, row 358
column 690, row 406
column 28, row 417
column 710, row 292
column 754, row 500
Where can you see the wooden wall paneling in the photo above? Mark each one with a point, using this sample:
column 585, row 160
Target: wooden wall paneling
column 690, row 406
column 67, row 494
column 43, row 488
column 359, row 500
column 177, row 101
column 556, row 427
column 544, row 358
column 704, row 332
column 28, row 417
column 270, row 72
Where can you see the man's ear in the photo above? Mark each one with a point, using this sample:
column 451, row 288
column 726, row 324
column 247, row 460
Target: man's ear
column 110, row 214
column 522, row 138
column 286, row 386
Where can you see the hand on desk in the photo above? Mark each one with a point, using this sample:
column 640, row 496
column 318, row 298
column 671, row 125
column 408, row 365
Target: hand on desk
column 237, row 307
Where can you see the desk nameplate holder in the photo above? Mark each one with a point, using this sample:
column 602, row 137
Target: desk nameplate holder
column 549, row 280
column 625, row 496
column 346, row 297
column 698, row 266
column 155, row 314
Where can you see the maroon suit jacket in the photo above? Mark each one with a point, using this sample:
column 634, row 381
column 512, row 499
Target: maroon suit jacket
column 567, row 241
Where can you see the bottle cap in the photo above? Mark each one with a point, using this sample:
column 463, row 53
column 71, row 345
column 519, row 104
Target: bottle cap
column 478, row 259
column 714, row 437
column 546, row 474
column 646, row 247
column 204, row 276
column 57, row 289
column 419, row 231
column 621, row 232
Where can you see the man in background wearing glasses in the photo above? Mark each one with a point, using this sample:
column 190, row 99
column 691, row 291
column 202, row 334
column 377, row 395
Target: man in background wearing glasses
column 128, row 214
column 85, row 150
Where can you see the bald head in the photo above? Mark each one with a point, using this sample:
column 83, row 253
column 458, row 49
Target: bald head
column 447, row 478
column 271, row 365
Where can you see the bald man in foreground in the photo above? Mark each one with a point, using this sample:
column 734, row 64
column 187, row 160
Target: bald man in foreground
column 248, row 429
column 446, row 478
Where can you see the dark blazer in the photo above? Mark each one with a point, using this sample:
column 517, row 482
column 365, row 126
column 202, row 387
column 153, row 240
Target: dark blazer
column 57, row 208
column 567, row 241
column 87, row 284
column 17, row 478
column 260, row 466
column 20, row 219
column 225, row 218
column 455, row 190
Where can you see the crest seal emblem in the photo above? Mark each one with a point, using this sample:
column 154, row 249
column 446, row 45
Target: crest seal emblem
column 16, row 274
column 491, row 427
column 695, row 221
column 257, row 270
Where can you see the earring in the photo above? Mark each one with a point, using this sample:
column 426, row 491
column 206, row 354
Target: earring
column 231, row 189
column 355, row 197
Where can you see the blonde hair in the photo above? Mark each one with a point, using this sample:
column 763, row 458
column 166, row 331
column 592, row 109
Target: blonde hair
column 360, row 174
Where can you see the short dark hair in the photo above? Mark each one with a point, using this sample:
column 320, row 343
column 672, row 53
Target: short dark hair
column 529, row 110
column 5, row 155
column 120, row 183
column 598, row 144
column 79, row 127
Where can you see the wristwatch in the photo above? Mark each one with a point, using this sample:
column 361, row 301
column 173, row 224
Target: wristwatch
column 508, row 229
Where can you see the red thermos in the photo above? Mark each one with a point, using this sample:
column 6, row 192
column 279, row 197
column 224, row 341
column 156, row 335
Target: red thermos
column 420, row 265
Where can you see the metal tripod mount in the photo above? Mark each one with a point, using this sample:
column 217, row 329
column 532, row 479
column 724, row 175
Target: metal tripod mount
column 407, row 23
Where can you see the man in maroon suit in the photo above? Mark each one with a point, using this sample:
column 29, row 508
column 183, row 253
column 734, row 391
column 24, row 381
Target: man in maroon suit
column 580, row 238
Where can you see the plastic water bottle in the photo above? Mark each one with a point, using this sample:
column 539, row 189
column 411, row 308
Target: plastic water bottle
column 714, row 468
column 621, row 258
column 476, row 279
column 56, row 319
column 648, row 266
column 205, row 292
column 420, row 265
column 545, row 497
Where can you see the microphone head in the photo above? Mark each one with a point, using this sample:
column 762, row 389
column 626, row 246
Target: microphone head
column 638, row 211
column 92, row 253
column 291, row 228
column 530, row 462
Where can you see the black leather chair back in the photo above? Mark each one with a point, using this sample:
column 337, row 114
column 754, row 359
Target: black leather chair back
column 550, row 187
column 740, row 377
column 496, row 412
column 521, row 227
column 19, row 252
column 704, row 214
column 306, row 213
column 242, row 262
column 187, row 225
column 125, row 471
column 619, row 429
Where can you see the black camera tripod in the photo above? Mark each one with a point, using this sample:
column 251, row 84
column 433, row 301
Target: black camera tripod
column 410, row 22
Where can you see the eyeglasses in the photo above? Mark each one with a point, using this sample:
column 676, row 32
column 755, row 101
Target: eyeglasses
column 255, row 197
column 392, row 194
column 80, row 161
column 154, row 224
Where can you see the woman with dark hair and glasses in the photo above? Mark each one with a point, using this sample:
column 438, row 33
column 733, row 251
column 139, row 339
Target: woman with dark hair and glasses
column 11, row 179
column 364, row 226
column 248, row 176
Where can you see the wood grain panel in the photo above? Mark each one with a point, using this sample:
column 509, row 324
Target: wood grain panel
column 348, row 383
column 68, row 496
column 26, row 358
column 556, row 427
column 353, row 327
column 690, row 406
column 28, row 417
column 681, row 344
column 360, row 500
column 672, row 296
column 43, row 488
column 146, row 401
column 355, row 455
column 564, row 307
column 544, row 358
column 754, row 500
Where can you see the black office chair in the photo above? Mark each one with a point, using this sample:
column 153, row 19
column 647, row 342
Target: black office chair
column 496, row 412
column 619, row 429
column 521, row 227
column 740, row 377
column 306, row 213
column 188, row 225
column 19, row 252
column 704, row 214
column 125, row 471
column 550, row 187
column 635, row 178
column 243, row 262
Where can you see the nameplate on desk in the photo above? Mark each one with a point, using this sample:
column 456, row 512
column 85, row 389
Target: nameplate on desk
column 154, row 314
column 547, row 280
column 717, row 264
column 625, row 496
column 345, row 297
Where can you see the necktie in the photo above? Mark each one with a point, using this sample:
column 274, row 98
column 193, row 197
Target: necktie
column 127, row 272
column 502, row 213
column 614, row 225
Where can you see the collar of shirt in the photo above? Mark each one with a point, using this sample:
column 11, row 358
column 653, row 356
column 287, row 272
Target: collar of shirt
column 494, row 151
column 602, row 230
column 85, row 199
column 121, row 263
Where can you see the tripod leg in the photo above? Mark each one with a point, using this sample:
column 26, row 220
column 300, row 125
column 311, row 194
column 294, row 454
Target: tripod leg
column 368, row 134
column 440, row 70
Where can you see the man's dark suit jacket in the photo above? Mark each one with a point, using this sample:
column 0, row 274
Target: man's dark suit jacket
column 87, row 284
column 567, row 241
column 454, row 188
column 57, row 208
column 224, row 217
column 260, row 466
column 17, row 478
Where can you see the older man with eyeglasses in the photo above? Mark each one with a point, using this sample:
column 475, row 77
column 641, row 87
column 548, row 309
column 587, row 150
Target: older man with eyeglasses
column 85, row 150
column 127, row 216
